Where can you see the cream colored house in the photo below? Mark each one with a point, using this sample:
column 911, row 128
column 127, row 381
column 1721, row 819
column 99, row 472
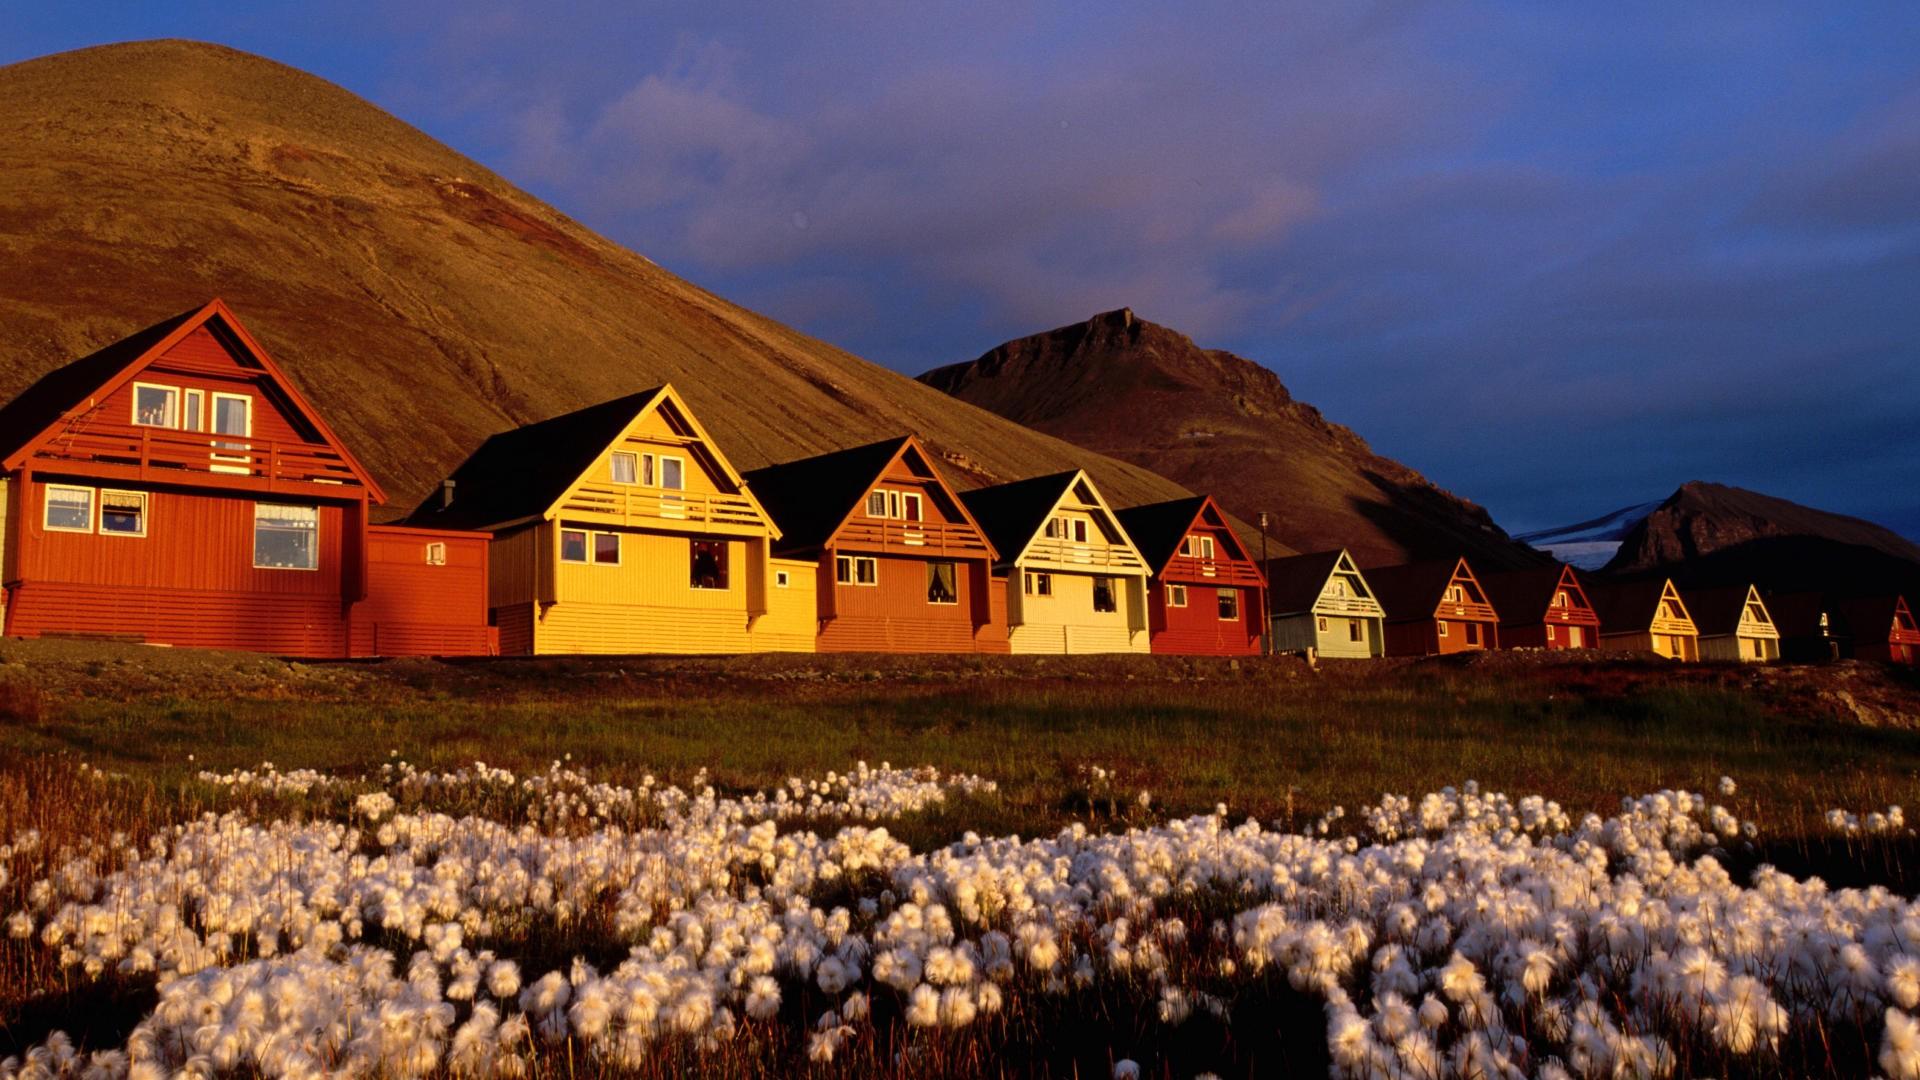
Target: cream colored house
column 1075, row 582
column 1322, row 602
column 1734, row 625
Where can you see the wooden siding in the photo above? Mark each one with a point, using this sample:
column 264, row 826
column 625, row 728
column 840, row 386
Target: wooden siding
column 286, row 624
column 580, row 626
column 1197, row 628
column 1668, row 642
column 1298, row 633
column 894, row 615
column 790, row 623
column 647, row 603
column 416, row 608
column 515, row 567
column 514, row 626
column 1066, row 622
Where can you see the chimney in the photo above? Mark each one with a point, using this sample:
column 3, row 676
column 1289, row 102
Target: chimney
column 446, row 494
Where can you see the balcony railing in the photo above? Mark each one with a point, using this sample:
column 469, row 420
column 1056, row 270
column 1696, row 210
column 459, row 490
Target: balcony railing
column 1466, row 610
column 935, row 538
column 1222, row 571
column 647, row 506
column 1099, row 556
column 157, row 452
column 1345, row 605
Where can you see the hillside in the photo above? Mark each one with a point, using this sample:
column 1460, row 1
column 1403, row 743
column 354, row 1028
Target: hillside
column 1222, row 424
column 1700, row 519
column 420, row 300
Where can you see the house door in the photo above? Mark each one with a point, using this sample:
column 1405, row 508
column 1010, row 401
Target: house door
column 232, row 415
column 1575, row 638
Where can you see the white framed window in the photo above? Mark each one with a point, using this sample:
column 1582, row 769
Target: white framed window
column 1560, row 598
column 1229, row 600
column 898, row 505
column 673, row 473
column 156, row 406
column 856, row 570
column 436, row 554
column 573, row 545
column 1353, row 630
column 1037, row 584
column 286, row 537
column 1338, row 588
column 1199, row 547
column 1443, row 628
column 1067, row 528
column 1322, row 623
column 877, row 503
column 68, row 509
column 943, row 583
column 1176, row 596
column 1105, row 596
column 1456, row 595
column 782, row 579
column 233, row 416
column 1551, row 635
column 1079, row 530
column 123, row 513
column 606, row 549
column 624, row 466
column 910, row 506
column 194, row 410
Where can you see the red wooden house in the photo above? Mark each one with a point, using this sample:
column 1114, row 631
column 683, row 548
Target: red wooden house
column 1206, row 596
column 1543, row 608
column 1882, row 628
column 1434, row 607
column 176, row 488
column 903, row 567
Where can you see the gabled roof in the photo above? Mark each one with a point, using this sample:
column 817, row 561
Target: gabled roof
column 519, row 474
column 1296, row 582
column 1869, row 618
column 1414, row 590
column 1717, row 612
column 1630, row 606
column 1011, row 514
column 811, row 499
column 1798, row 614
column 35, row 415
column 1524, row 597
column 1157, row 528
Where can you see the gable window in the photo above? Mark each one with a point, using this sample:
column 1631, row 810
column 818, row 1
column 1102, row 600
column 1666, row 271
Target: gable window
column 1338, row 587
column 1103, row 595
column 1176, row 596
column 195, row 407
column 1667, row 611
column 1199, row 547
column 606, row 548
column 156, row 406
column 123, row 513
column 708, row 568
column 910, row 506
column 943, row 583
column 1229, row 604
column 1038, row 584
column 68, row 509
column 626, row 467
column 573, row 545
column 1560, row 598
column 877, row 503
column 1079, row 530
column 899, row 505
column 232, row 415
column 1066, row 528
column 1456, row 595
column 673, row 473
column 856, row 570
column 436, row 554
column 286, row 537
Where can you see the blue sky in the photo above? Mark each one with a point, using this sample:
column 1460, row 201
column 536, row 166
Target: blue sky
column 1558, row 257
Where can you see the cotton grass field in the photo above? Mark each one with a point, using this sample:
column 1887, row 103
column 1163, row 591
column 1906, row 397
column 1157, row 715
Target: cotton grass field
column 855, row 867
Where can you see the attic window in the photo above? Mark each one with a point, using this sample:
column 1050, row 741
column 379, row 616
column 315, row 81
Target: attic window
column 1338, row 588
column 156, row 406
column 708, row 559
column 626, row 467
column 1560, row 598
column 899, row 505
column 1456, row 595
column 1103, row 595
column 1199, row 547
column 942, row 583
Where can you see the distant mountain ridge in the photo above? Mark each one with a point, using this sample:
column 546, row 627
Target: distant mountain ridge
column 1589, row 545
column 421, row 301
column 1222, row 424
column 1701, row 519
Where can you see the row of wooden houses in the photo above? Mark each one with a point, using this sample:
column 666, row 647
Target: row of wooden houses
column 176, row 488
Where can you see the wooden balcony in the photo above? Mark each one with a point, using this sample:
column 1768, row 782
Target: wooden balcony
column 1069, row 555
column 165, row 456
column 1192, row 570
column 1347, row 605
column 647, row 507
column 1468, row 611
column 891, row 536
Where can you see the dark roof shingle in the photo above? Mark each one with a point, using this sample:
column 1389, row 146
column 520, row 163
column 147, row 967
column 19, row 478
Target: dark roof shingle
column 809, row 498
column 1010, row 514
column 1156, row 529
column 59, row 390
column 1295, row 583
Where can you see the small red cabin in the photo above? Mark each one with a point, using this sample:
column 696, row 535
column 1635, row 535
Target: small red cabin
column 903, row 566
column 1544, row 608
column 1206, row 596
column 176, row 488
column 1434, row 607
column 1882, row 628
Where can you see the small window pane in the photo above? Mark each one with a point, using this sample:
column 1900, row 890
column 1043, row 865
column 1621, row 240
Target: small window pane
column 436, row 554
column 573, row 545
column 910, row 505
column 877, row 504
column 781, row 579
column 1176, row 596
column 843, row 569
column 867, row 571
column 606, row 548
column 155, row 406
column 673, row 473
column 942, row 583
column 1079, row 532
column 70, row 509
column 1229, row 603
column 196, row 400
column 1103, row 595
column 709, row 564
column 123, row 513
column 286, row 537
column 1353, row 629
column 625, row 468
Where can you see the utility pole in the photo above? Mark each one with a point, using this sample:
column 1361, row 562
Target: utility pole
column 1266, row 594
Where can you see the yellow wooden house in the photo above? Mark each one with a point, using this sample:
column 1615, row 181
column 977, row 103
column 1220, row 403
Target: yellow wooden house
column 1648, row 616
column 1075, row 582
column 622, row 528
column 1734, row 624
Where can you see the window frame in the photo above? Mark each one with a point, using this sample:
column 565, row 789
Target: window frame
column 915, row 500
column 93, row 508
column 846, row 570
column 633, row 467
column 1036, row 583
column 1176, row 590
column 953, row 571
column 586, row 547
column 1113, row 594
column 1356, row 634
column 1561, row 599
column 1203, row 547
column 1456, row 594
column 1443, row 626
column 877, row 496
column 257, row 507
column 100, row 513
column 194, row 398
column 1322, row 625
column 173, row 406
column 436, row 553
column 1223, row 599
column 782, row 579
column 724, row 562
column 679, row 463
column 593, row 548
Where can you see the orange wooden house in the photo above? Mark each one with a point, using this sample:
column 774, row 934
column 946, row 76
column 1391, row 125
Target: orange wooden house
column 176, row 488
column 1881, row 628
column 1434, row 607
column 1544, row 608
column 902, row 566
column 1206, row 596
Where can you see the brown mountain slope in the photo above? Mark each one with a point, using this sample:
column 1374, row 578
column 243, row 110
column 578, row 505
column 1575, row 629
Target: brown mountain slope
column 420, row 300
column 1759, row 536
column 1221, row 424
